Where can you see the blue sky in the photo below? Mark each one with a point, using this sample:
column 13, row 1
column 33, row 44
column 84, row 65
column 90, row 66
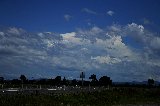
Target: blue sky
column 35, row 15
column 46, row 38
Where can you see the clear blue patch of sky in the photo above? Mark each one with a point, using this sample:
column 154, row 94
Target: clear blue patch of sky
column 47, row 15
column 132, row 43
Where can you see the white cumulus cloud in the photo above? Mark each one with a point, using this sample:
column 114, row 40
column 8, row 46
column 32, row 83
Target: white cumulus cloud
column 106, row 59
column 111, row 13
column 67, row 17
column 101, row 50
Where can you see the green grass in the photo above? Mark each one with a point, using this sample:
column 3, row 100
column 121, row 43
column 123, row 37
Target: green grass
column 103, row 98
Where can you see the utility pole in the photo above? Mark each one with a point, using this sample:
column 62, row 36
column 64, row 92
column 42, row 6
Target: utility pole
column 82, row 75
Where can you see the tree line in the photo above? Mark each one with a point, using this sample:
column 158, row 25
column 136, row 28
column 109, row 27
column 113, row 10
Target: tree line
column 59, row 81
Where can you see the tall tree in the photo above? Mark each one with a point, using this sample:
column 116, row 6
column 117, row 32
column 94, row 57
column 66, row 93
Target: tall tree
column 150, row 82
column 23, row 79
column 1, row 80
column 58, row 80
column 64, row 81
column 94, row 81
column 105, row 81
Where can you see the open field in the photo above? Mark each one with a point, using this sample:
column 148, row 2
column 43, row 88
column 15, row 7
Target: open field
column 51, row 97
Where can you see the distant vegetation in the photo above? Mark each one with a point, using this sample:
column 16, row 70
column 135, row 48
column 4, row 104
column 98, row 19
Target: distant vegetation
column 104, row 81
column 58, row 81
column 95, row 92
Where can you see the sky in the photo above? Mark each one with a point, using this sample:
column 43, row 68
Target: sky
column 47, row 38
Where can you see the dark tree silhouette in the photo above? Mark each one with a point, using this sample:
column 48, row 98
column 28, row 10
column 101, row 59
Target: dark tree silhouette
column 93, row 77
column 74, row 82
column 1, row 80
column 58, row 80
column 105, row 81
column 23, row 79
column 16, row 81
column 94, row 81
column 150, row 82
column 64, row 81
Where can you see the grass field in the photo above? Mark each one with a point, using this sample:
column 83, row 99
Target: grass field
column 116, row 96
